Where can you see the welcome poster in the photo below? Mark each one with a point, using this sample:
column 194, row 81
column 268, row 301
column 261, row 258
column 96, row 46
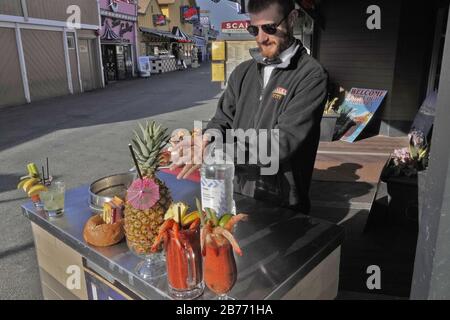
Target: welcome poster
column 360, row 105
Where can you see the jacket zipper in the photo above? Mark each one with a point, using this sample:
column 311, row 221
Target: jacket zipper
column 263, row 89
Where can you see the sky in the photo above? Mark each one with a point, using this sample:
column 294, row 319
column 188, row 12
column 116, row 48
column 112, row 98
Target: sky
column 223, row 11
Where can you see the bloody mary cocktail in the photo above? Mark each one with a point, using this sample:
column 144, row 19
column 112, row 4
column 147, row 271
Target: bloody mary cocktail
column 220, row 271
column 184, row 263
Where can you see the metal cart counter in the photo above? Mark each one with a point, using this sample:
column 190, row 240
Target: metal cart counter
column 286, row 255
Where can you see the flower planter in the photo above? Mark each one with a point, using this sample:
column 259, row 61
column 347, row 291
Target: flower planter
column 403, row 204
column 421, row 178
column 327, row 126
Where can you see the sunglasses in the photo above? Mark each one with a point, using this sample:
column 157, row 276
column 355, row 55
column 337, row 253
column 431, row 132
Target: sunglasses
column 269, row 28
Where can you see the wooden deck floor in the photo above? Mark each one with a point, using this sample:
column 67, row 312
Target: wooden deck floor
column 342, row 191
column 361, row 161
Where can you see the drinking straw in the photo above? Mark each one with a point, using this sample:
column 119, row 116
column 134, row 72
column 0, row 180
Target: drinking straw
column 179, row 217
column 43, row 175
column 48, row 172
column 135, row 161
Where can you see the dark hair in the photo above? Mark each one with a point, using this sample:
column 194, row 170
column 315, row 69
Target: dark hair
column 286, row 6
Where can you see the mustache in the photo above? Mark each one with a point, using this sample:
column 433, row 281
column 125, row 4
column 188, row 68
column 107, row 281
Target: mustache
column 266, row 43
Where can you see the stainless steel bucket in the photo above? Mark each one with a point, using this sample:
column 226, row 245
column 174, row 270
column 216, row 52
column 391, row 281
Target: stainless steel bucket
column 104, row 189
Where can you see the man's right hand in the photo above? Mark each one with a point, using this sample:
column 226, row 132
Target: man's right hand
column 189, row 154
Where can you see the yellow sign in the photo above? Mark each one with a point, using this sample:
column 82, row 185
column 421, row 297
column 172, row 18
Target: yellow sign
column 218, row 50
column 218, row 72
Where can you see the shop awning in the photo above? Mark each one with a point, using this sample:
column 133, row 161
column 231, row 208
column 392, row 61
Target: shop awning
column 199, row 41
column 109, row 34
column 159, row 33
column 181, row 36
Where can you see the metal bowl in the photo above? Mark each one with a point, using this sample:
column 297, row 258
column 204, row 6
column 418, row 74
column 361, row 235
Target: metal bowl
column 104, row 189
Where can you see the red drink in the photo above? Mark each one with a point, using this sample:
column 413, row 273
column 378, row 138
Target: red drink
column 220, row 271
column 184, row 263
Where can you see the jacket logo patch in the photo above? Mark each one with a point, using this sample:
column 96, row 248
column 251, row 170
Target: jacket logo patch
column 279, row 93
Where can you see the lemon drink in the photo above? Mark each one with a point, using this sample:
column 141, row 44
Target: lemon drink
column 53, row 199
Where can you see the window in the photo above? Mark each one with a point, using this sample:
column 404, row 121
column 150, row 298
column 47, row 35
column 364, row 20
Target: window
column 165, row 11
column 71, row 42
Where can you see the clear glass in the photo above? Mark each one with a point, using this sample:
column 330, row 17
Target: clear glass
column 184, row 264
column 220, row 272
column 53, row 199
column 153, row 265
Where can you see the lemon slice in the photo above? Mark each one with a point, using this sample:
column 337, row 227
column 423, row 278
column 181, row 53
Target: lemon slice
column 36, row 189
column 30, row 182
column 189, row 218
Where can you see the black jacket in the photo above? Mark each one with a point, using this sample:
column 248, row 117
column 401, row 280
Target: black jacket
column 293, row 102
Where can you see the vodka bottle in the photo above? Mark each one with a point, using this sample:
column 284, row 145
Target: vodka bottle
column 217, row 176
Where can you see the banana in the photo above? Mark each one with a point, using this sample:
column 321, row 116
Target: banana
column 33, row 170
column 36, row 189
column 28, row 176
column 29, row 183
column 21, row 183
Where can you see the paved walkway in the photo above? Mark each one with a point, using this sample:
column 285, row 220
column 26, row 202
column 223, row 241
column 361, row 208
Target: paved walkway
column 86, row 137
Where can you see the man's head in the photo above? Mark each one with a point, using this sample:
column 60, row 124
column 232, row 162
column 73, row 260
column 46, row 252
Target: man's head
column 272, row 24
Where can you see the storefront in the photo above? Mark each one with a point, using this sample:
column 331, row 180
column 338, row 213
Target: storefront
column 185, row 42
column 43, row 58
column 118, row 39
column 164, row 48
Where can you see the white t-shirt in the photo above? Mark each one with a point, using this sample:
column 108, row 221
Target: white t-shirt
column 285, row 57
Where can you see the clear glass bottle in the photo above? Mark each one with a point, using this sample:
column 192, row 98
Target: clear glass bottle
column 217, row 175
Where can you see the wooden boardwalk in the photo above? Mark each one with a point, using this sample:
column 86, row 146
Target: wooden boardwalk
column 343, row 188
column 360, row 161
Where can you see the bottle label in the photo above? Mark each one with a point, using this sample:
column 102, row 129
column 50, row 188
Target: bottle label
column 214, row 196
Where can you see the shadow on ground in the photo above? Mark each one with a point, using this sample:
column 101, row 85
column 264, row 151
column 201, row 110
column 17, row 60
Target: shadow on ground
column 390, row 246
column 120, row 101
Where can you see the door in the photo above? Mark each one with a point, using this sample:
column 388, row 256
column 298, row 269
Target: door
column 110, row 62
column 128, row 61
column 121, row 66
column 86, row 64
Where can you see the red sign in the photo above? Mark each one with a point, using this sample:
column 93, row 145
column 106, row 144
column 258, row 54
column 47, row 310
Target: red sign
column 190, row 14
column 235, row 26
column 159, row 19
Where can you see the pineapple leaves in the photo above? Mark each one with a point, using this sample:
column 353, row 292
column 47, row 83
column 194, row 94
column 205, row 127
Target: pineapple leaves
column 149, row 145
column 141, row 144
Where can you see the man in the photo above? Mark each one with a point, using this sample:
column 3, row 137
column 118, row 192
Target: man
column 282, row 88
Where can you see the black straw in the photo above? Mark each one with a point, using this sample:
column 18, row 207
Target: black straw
column 48, row 172
column 43, row 176
column 179, row 217
column 135, row 161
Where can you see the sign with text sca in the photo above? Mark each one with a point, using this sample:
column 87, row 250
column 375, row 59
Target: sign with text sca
column 360, row 105
column 235, row 26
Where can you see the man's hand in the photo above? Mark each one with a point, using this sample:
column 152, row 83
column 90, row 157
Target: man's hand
column 189, row 154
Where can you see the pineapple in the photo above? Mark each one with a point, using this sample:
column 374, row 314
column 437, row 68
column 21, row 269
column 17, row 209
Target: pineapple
column 142, row 226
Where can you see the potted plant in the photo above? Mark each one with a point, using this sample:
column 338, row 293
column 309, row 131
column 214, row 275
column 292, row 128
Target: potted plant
column 329, row 119
column 404, row 174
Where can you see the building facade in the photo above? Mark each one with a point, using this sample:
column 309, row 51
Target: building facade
column 151, row 18
column 118, row 37
column 42, row 55
column 179, row 26
column 403, row 56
